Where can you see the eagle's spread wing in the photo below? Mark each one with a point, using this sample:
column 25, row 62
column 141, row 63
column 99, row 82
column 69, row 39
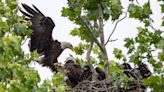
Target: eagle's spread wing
column 41, row 38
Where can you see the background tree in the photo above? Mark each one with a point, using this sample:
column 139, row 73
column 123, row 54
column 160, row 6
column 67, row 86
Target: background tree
column 146, row 47
column 15, row 73
column 90, row 16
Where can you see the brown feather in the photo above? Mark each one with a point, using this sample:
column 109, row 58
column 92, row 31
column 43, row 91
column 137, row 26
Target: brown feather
column 41, row 37
column 74, row 72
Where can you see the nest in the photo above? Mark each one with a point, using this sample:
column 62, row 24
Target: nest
column 107, row 85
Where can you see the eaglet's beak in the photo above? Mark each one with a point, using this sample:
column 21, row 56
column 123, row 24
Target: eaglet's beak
column 57, row 64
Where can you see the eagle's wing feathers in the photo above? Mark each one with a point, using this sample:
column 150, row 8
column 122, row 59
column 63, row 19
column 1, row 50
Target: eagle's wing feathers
column 42, row 27
column 41, row 37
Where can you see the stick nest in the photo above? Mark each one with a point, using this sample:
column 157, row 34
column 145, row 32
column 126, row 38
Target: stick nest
column 107, row 85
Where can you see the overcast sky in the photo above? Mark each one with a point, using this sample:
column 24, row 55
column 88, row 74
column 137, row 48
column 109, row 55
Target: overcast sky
column 126, row 28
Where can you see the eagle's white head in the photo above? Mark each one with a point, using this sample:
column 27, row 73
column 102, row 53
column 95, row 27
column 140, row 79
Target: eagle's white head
column 65, row 45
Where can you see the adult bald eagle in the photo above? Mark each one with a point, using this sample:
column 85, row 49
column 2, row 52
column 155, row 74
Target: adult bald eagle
column 41, row 37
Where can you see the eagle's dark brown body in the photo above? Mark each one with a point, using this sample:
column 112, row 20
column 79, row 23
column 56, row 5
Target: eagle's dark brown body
column 138, row 73
column 74, row 72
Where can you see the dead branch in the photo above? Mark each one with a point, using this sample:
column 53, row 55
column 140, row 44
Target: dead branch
column 115, row 28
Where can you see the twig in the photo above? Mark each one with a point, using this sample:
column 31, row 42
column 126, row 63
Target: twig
column 105, row 86
column 89, row 61
column 113, row 40
column 24, row 41
column 138, row 3
column 153, row 27
column 115, row 28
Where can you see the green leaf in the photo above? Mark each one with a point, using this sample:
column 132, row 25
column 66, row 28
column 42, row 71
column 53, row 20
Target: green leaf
column 115, row 9
column 138, row 12
column 162, row 8
column 146, row 11
column 80, row 49
column 134, row 10
column 2, row 87
column 118, row 53
column 75, row 32
column 68, row 12
column 129, row 42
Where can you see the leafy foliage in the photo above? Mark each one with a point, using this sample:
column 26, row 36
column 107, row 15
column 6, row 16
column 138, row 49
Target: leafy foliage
column 147, row 46
column 15, row 75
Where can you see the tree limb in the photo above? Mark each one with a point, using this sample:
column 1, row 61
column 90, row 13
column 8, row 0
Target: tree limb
column 87, row 25
column 103, row 50
column 101, row 25
column 89, row 61
column 90, row 31
column 115, row 28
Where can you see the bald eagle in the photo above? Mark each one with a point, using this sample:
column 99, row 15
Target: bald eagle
column 127, row 69
column 137, row 73
column 41, row 37
column 73, row 71
column 101, row 73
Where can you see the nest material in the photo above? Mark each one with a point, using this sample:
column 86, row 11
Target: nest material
column 107, row 85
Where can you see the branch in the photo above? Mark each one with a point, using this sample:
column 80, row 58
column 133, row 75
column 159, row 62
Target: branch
column 24, row 41
column 100, row 45
column 101, row 24
column 103, row 50
column 89, row 61
column 90, row 31
column 87, row 25
column 113, row 40
column 115, row 28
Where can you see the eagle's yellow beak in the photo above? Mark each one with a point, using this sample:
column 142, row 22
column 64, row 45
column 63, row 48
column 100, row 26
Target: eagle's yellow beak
column 72, row 49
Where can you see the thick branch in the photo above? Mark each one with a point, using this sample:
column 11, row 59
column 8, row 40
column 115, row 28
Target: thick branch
column 104, row 52
column 101, row 24
column 89, row 61
column 108, row 40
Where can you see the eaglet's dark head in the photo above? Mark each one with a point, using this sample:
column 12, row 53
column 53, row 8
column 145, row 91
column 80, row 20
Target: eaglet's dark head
column 126, row 66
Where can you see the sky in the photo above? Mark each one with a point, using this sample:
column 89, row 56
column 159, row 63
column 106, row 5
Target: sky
column 126, row 28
